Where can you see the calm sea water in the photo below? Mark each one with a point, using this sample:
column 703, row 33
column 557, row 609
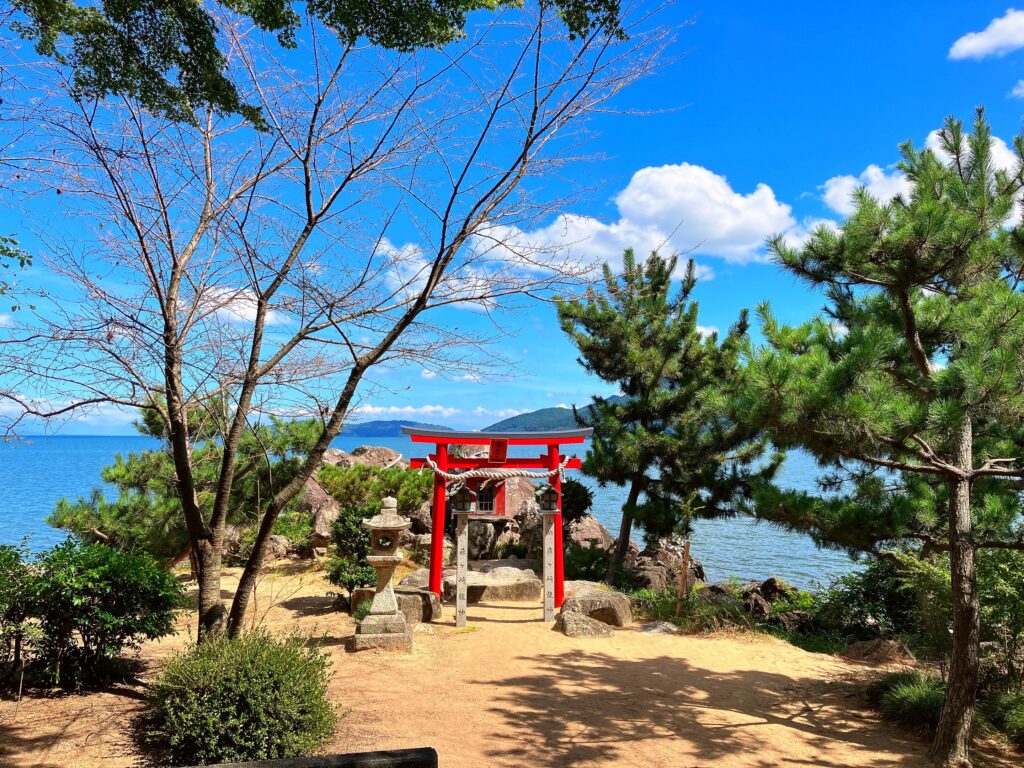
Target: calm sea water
column 37, row 471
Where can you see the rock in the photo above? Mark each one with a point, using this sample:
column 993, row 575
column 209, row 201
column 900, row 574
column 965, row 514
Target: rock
column 715, row 594
column 607, row 606
column 515, row 563
column 482, row 537
column 418, row 605
column 508, row 537
column 877, row 651
column 318, row 552
column 579, row 625
column 322, row 509
column 507, row 572
column 660, row 628
column 774, row 588
column 484, row 587
column 278, row 547
column 571, row 587
column 756, row 606
column 794, row 621
column 588, row 532
column 421, row 518
column 418, row 579
column 520, row 496
column 337, row 458
column 531, row 531
column 654, row 577
column 632, row 553
column 378, row 456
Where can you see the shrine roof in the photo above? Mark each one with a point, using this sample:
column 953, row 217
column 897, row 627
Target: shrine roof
column 451, row 437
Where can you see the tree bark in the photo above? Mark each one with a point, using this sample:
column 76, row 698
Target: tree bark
column 625, row 529
column 951, row 746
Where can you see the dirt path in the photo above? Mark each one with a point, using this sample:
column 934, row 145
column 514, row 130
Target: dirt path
column 508, row 691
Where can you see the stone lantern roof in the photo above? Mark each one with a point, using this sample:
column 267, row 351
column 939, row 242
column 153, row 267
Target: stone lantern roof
column 388, row 518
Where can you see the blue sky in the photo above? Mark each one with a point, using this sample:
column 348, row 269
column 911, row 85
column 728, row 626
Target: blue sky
column 769, row 117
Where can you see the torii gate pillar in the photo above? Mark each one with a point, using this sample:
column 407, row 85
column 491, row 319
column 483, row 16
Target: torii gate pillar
column 437, row 522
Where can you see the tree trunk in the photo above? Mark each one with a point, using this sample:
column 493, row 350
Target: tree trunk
column 952, row 740
column 625, row 529
column 212, row 614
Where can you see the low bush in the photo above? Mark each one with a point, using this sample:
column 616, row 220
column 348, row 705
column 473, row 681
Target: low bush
column 655, row 605
column 1007, row 712
column 874, row 602
column 83, row 605
column 361, row 486
column 248, row 698
column 911, row 698
column 348, row 567
column 15, row 578
column 584, row 563
column 362, row 610
column 577, row 500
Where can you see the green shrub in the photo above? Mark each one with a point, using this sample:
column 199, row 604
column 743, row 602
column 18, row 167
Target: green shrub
column 362, row 610
column 511, row 549
column 699, row 615
column 360, row 486
column 15, row 578
column 248, row 698
column 874, row 602
column 651, row 604
column 1007, row 712
column 348, row 567
column 90, row 602
column 577, row 500
column 911, row 698
column 584, row 563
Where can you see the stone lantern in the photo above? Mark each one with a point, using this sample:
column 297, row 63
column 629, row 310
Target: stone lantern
column 384, row 626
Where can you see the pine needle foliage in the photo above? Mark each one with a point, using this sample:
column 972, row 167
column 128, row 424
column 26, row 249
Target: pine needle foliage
column 667, row 436
column 910, row 386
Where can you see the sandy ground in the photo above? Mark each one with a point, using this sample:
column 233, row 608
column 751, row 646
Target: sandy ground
column 508, row 691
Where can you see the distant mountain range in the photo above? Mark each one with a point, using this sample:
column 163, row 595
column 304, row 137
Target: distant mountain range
column 384, row 428
column 544, row 420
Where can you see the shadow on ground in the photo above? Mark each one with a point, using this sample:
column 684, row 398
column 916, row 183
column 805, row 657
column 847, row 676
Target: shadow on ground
column 590, row 707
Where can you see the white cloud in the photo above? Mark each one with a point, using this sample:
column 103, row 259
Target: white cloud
column 238, row 306
column 881, row 184
column 1003, row 157
column 499, row 413
column 684, row 208
column 428, row 374
column 1017, row 92
column 999, row 38
column 6, row 320
column 706, row 330
column 377, row 411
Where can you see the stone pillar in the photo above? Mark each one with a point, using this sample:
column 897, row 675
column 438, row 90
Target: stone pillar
column 461, row 566
column 384, row 626
column 549, row 566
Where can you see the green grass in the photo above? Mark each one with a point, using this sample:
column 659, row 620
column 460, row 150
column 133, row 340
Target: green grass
column 911, row 698
column 362, row 610
column 1007, row 712
column 812, row 642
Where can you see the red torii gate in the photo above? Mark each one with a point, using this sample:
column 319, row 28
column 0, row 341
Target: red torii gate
column 497, row 458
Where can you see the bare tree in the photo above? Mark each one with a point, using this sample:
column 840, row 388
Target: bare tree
column 217, row 273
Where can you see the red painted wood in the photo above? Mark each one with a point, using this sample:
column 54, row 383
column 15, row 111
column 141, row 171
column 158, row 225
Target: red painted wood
column 487, row 440
column 437, row 522
column 497, row 453
column 538, row 463
column 499, row 498
column 556, row 483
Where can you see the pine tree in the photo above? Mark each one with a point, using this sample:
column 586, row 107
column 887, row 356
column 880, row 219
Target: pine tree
column 912, row 384
column 665, row 437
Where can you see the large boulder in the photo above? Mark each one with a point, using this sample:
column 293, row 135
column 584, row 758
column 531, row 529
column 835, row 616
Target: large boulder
column 531, row 531
column 755, row 605
column 520, row 496
column 488, row 587
column 338, row 458
column 418, row 604
column 278, row 547
column 878, row 651
column 527, row 565
column 716, row 594
column 580, row 625
column 667, row 552
column 508, row 536
column 604, row 605
column 654, row 577
column 588, row 532
column 774, row 588
column 482, row 537
column 422, row 518
column 378, row 456
column 322, row 509
column 795, row 621
column 632, row 553
column 419, row 578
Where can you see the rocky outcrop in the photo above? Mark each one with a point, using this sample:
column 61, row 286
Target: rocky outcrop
column 603, row 605
column 657, row 566
column 421, row 518
column 580, row 625
column 418, row 605
column 322, row 509
column 588, row 532
column 278, row 547
column 378, row 456
column 482, row 537
column 337, row 458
